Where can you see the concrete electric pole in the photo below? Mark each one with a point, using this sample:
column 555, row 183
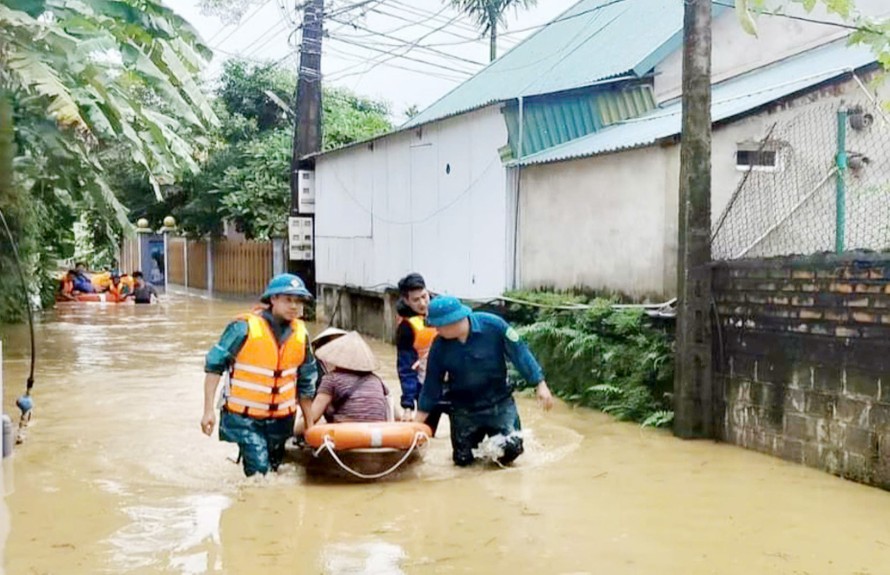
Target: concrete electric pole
column 694, row 392
column 307, row 140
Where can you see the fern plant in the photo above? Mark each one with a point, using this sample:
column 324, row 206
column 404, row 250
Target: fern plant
column 607, row 359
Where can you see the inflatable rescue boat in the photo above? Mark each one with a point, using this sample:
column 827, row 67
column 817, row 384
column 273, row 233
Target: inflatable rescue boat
column 365, row 450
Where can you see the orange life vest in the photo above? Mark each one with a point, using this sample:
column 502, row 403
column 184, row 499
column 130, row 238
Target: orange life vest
column 117, row 292
column 423, row 341
column 263, row 379
column 423, row 334
column 67, row 287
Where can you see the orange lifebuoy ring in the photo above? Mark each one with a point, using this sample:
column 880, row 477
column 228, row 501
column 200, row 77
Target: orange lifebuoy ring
column 364, row 435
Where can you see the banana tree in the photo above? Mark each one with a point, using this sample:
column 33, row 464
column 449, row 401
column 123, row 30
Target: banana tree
column 96, row 64
column 83, row 76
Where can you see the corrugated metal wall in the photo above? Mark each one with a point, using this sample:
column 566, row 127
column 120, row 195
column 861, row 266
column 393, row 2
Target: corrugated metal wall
column 431, row 200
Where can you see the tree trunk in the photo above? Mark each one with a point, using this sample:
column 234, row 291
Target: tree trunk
column 694, row 397
column 493, row 51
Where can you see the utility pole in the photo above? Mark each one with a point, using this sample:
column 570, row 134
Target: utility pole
column 694, row 393
column 307, row 133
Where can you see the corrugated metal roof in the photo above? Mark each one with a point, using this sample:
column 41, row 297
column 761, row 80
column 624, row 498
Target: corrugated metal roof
column 595, row 40
column 557, row 118
column 731, row 98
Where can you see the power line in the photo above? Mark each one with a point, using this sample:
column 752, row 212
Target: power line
column 426, row 14
column 383, row 61
column 244, row 21
column 289, row 16
column 352, row 7
column 409, row 24
column 345, row 72
column 268, row 40
column 403, row 56
column 415, row 44
column 478, row 37
column 562, row 18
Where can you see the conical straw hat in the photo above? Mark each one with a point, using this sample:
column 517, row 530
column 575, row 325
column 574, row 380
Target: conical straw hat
column 327, row 336
column 349, row 352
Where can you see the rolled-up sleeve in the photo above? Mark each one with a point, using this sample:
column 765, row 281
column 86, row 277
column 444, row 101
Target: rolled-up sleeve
column 307, row 374
column 221, row 355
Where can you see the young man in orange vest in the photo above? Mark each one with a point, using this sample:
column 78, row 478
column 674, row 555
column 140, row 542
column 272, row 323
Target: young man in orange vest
column 271, row 371
column 413, row 342
column 117, row 289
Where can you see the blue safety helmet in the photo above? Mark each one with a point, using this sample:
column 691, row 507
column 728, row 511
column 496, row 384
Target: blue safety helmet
column 286, row 284
column 445, row 310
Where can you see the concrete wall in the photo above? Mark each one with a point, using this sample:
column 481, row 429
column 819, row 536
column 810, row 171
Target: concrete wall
column 736, row 52
column 600, row 223
column 804, row 362
column 431, row 200
column 611, row 221
column 371, row 313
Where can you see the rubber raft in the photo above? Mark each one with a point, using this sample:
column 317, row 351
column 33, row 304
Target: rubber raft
column 365, row 450
column 92, row 298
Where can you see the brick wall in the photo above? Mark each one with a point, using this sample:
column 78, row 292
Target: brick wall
column 803, row 355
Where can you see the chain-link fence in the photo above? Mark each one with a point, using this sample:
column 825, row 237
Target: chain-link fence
column 819, row 182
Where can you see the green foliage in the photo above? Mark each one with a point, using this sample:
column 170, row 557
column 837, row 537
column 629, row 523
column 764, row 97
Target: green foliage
column 245, row 177
column 84, row 77
column 489, row 14
column 350, row 118
column 244, row 96
column 872, row 32
column 255, row 193
column 600, row 357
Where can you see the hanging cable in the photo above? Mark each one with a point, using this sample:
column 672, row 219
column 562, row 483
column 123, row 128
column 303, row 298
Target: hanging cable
column 24, row 403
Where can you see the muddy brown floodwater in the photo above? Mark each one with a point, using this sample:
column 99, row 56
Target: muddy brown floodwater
column 115, row 477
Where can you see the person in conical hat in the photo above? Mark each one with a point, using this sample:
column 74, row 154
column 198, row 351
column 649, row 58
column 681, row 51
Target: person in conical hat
column 351, row 391
column 322, row 339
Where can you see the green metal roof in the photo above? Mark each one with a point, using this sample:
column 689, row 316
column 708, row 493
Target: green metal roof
column 554, row 119
column 730, row 99
column 594, row 41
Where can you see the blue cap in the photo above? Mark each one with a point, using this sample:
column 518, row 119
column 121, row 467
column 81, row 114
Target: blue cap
column 286, row 284
column 445, row 310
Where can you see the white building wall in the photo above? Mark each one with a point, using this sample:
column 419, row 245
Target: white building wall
column 735, row 52
column 431, row 200
column 597, row 223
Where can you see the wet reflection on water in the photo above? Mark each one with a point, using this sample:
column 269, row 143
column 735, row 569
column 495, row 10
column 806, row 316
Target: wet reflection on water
column 362, row 557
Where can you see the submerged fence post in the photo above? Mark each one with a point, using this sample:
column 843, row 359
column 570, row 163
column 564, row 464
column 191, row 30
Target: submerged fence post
column 185, row 261
column 841, row 196
column 210, row 265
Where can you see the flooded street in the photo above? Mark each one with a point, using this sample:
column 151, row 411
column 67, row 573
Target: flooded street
column 116, row 477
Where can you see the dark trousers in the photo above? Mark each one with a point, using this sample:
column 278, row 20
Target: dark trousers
column 260, row 441
column 470, row 427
